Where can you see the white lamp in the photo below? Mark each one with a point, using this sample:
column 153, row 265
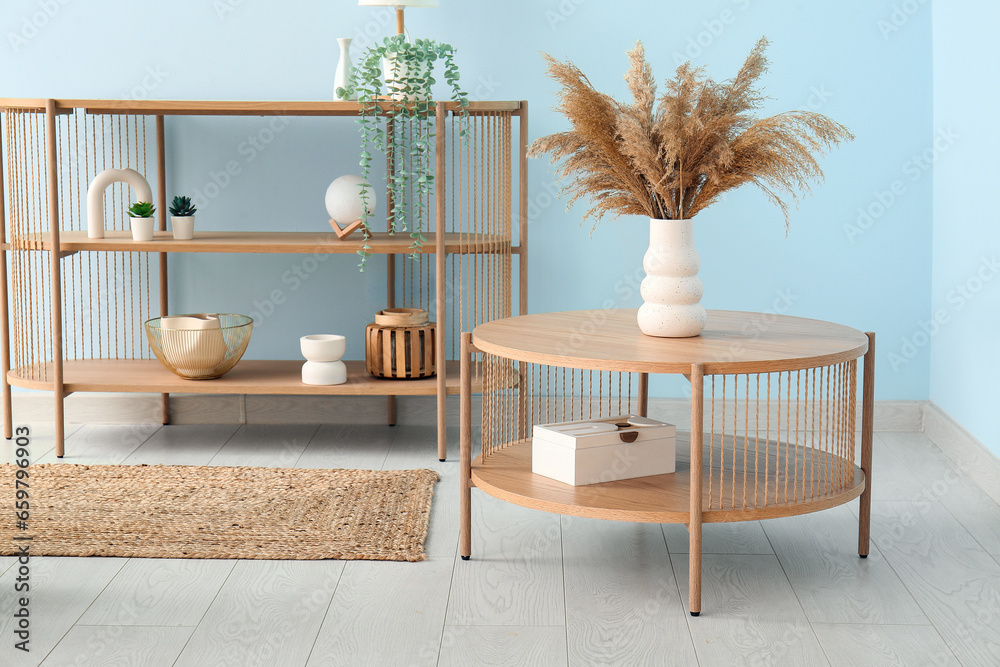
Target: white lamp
column 400, row 5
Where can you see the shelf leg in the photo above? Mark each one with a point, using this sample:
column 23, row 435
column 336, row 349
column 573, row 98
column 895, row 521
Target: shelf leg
column 643, row 395
column 391, row 410
column 8, row 413
column 867, row 435
column 161, row 186
column 55, row 273
column 694, row 527
column 440, row 276
column 465, row 455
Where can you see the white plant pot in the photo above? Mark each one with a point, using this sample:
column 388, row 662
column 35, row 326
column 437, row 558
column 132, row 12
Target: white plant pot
column 323, row 348
column 671, row 291
column 182, row 226
column 324, row 372
column 142, row 228
column 394, row 69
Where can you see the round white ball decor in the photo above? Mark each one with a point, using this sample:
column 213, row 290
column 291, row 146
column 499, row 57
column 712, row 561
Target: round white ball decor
column 343, row 199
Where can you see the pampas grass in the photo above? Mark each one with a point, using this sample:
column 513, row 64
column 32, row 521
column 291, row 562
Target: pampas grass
column 672, row 156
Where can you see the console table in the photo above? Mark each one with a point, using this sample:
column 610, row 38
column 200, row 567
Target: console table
column 773, row 414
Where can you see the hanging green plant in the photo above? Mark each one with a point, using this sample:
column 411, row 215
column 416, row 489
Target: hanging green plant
column 393, row 83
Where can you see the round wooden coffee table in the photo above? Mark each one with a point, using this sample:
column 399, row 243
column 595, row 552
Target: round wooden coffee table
column 772, row 417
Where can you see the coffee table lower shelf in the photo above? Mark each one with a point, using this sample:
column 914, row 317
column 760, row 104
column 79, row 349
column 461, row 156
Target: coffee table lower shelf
column 507, row 475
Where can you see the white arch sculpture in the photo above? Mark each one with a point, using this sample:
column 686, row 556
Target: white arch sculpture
column 95, row 196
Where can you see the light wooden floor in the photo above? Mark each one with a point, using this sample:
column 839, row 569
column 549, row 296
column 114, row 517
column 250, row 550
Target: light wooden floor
column 540, row 589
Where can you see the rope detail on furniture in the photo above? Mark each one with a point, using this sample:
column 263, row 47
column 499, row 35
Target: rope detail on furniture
column 798, row 443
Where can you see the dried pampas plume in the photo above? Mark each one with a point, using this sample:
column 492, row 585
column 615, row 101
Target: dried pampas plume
column 672, row 156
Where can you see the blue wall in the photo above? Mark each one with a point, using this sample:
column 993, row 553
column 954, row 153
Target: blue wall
column 965, row 315
column 859, row 251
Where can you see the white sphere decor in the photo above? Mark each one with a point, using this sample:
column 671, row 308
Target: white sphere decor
column 343, row 199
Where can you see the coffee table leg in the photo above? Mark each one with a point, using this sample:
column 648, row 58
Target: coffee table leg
column 867, row 434
column 694, row 526
column 643, row 407
column 465, row 494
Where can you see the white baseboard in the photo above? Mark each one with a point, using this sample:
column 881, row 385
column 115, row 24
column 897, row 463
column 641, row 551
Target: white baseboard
column 971, row 456
column 116, row 408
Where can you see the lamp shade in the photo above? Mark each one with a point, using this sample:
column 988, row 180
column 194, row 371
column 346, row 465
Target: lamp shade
column 397, row 3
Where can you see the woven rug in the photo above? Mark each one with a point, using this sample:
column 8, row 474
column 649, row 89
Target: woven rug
column 219, row 512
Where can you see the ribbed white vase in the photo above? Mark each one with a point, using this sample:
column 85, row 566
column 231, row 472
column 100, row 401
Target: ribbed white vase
column 671, row 291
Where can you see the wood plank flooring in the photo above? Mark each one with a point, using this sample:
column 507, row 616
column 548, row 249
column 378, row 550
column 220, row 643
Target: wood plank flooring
column 540, row 589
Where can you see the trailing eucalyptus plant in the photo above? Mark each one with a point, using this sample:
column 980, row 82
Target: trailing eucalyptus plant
column 395, row 119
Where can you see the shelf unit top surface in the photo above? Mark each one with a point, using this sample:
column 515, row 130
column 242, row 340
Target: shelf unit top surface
column 229, row 107
column 732, row 342
column 262, row 242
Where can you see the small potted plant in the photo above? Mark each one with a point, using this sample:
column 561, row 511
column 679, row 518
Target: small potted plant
column 141, row 216
column 182, row 218
column 393, row 84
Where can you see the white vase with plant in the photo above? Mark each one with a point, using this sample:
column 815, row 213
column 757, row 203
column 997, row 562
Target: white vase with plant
column 669, row 157
column 182, row 218
column 141, row 220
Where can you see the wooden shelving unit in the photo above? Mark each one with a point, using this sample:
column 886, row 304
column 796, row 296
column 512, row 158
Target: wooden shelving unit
column 51, row 149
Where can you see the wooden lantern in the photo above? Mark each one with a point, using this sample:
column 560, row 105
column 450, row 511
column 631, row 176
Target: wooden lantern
column 399, row 344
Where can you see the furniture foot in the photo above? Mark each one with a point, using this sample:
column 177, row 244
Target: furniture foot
column 8, row 412
column 60, row 429
column 695, row 613
column 442, row 443
column 466, row 557
column 391, row 410
column 863, row 555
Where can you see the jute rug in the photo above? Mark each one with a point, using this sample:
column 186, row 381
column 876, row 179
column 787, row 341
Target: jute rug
column 218, row 512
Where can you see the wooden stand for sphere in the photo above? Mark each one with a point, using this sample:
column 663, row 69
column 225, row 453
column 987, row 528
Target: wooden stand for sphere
column 344, row 232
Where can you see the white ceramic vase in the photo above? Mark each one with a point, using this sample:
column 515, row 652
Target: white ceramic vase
column 142, row 228
column 182, row 226
column 323, row 365
column 345, row 68
column 671, row 291
column 324, row 372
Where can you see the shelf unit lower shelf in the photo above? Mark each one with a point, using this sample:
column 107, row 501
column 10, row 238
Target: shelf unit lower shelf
column 248, row 377
column 507, row 475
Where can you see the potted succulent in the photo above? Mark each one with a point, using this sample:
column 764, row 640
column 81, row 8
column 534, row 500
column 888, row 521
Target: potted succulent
column 392, row 83
column 670, row 156
column 141, row 218
column 182, row 218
